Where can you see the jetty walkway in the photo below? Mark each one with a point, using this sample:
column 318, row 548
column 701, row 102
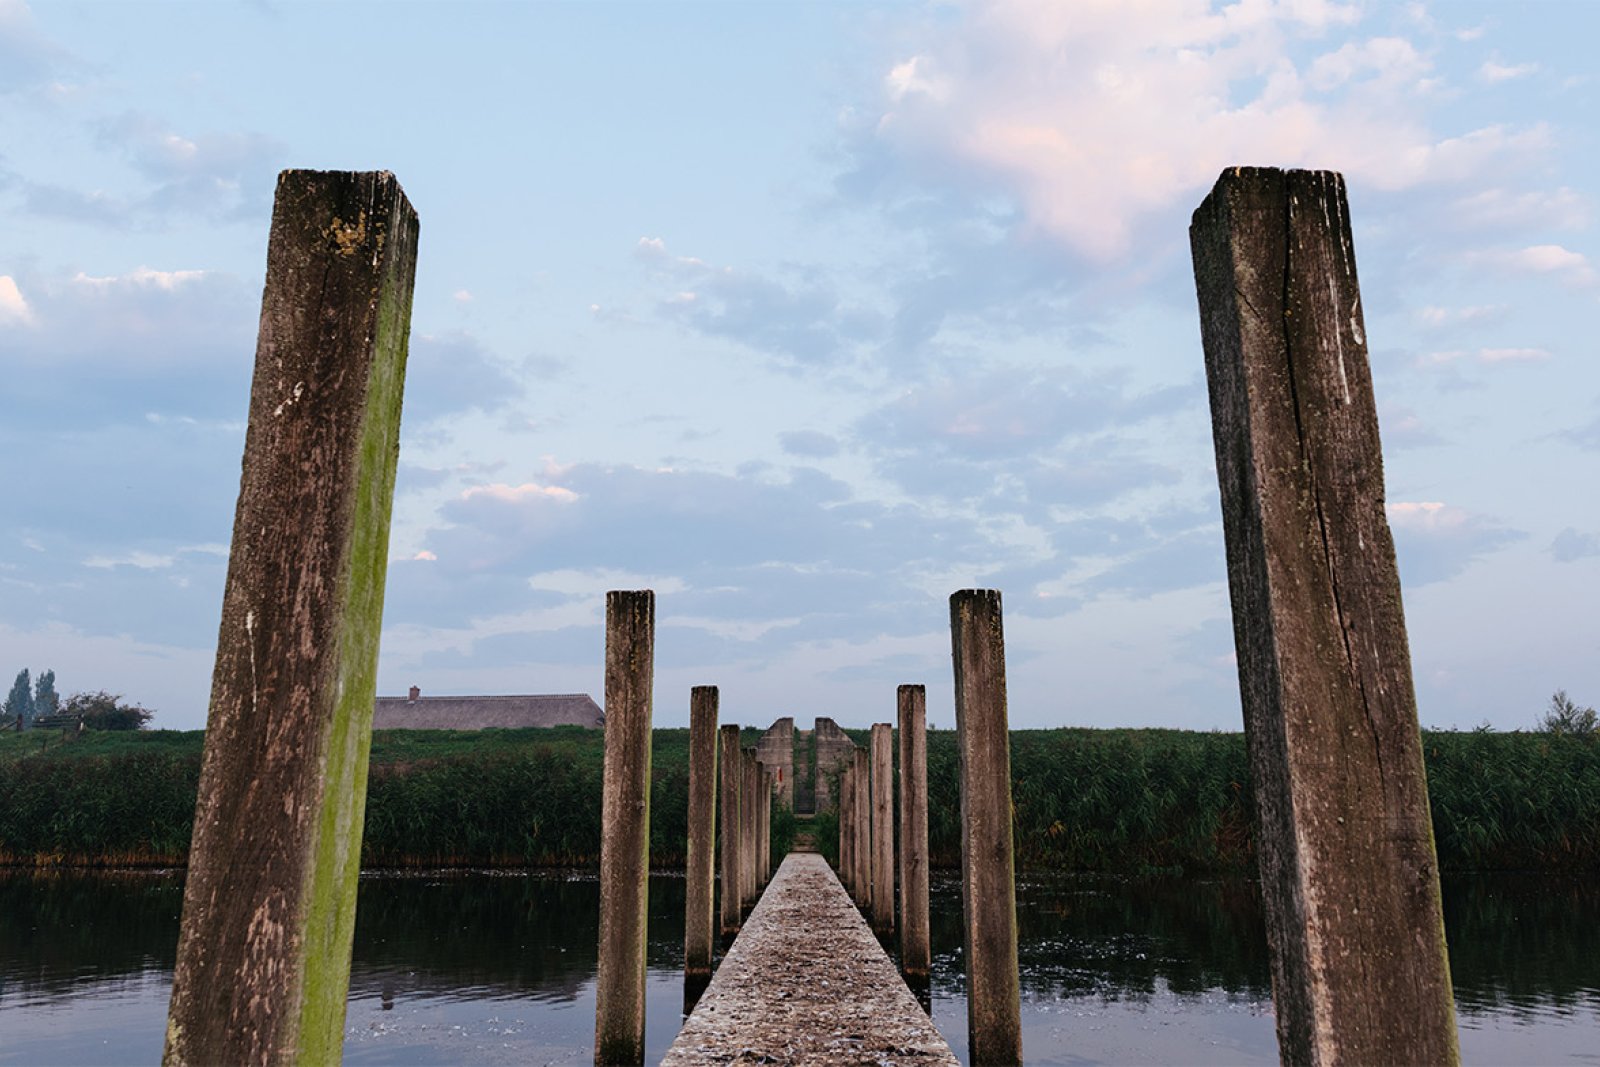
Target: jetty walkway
column 807, row 982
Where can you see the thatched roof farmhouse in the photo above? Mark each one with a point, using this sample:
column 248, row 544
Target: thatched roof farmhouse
column 417, row 712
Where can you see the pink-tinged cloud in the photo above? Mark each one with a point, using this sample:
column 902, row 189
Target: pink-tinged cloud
column 519, row 494
column 14, row 310
column 1571, row 267
column 1097, row 114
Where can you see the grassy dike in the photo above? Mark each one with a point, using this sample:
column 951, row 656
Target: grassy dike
column 1101, row 800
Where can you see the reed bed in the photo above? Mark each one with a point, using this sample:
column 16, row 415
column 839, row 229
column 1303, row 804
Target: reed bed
column 1089, row 800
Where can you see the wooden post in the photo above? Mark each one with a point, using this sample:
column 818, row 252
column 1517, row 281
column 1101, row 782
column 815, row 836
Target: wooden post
column 882, row 827
column 863, row 829
column 764, row 821
column 847, row 827
column 747, row 847
column 1348, row 870
column 625, row 827
column 988, row 875
column 263, row 963
column 699, row 920
column 732, row 776
column 916, row 954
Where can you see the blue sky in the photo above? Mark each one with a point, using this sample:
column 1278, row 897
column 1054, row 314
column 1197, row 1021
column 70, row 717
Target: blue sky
column 805, row 316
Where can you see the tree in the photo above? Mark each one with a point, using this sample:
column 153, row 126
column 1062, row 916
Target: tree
column 1565, row 717
column 105, row 711
column 20, row 702
column 45, row 699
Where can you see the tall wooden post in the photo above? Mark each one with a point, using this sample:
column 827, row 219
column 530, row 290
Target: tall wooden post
column 1348, row 870
column 916, row 954
column 263, row 962
column 732, row 786
column 847, row 827
column 747, row 805
column 699, row 920
column 764, row 824
column 863, row 829
column 625, row 827
column 988, row 875
column 882, row 827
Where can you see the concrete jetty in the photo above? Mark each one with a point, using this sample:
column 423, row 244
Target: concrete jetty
column 806, row 982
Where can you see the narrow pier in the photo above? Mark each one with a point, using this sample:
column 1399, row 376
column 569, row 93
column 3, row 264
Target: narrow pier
column 806, row 982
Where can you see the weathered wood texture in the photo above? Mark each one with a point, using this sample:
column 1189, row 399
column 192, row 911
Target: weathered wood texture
column 807, row 983
column 863, row 829
column 747, row 846
column 769, row 781
column 732, row 775
column 1348, row 868
column 625, row 827
column 882, row 827
column 263, row 960
column 699, row 919
column 988, row 872
column 916, row 953
column 847, row 828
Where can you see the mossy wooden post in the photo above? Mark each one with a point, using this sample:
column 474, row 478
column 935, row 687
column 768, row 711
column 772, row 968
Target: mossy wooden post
column 1348, row 870
column 863, row 829
column 699, row 920
column 263, row 962
column 988, row 875
column 916, row 953
column 732, row 775
column 625, row 827
column 882, row 828
column 847, row 828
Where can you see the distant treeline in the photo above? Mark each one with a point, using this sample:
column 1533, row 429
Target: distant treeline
column 1093, row 800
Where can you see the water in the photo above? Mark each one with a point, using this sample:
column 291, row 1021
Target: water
column 499, row 968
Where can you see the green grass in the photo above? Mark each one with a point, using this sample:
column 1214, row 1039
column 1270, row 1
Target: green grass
column 1103, row 800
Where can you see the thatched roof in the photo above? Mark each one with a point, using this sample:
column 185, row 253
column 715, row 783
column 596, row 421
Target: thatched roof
column 478, row 713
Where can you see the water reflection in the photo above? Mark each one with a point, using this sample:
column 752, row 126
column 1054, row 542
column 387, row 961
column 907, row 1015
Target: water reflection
column 488, row 968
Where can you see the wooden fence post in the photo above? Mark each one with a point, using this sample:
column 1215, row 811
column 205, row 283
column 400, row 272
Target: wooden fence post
column 747, row 848
column 1348, row 869
column 263, row 962
column 625, row 827
column 699, row 924
column 988, row 874
column 882, row 827
column 916, row 953
column 731, row 786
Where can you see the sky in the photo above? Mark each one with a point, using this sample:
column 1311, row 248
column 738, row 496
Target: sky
column 805, row 316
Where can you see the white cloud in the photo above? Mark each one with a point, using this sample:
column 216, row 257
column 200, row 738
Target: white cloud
column 1096, row 115
column 1513, row 355
column 1571, row 267
column 14, row 310
column 141, row 277
column 518, row 494
column 1506, row 209
column 1494, row 72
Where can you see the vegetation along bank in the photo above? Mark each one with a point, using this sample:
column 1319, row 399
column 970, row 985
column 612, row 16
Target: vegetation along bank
column 1093, row 800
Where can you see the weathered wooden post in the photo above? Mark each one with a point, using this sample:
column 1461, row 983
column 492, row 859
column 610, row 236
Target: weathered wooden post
column 263, row 962
column 747, row 847
column 625, row 827
column 699, row 921
column 882, row 827
column 916, row 953
column 988, row 874
column 1348, row 869
column 863, row 829
column 731, row 786
column 847, row 827
column 764, row 820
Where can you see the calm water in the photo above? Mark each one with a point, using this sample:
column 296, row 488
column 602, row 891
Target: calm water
column 485, row 968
